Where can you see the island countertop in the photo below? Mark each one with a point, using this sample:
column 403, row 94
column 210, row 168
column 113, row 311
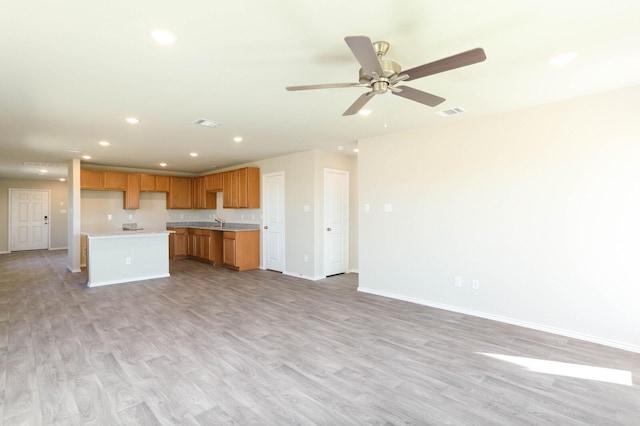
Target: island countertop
column 127, row 233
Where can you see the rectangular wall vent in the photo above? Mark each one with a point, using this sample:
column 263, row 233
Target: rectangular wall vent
column 44, row 165
column 205, row 122
column 451, row 111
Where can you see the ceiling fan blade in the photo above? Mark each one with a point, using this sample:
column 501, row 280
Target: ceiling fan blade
column 362, row 49
column 324, row 86
column 419, row 96
column 452, row 62
column 359, row 103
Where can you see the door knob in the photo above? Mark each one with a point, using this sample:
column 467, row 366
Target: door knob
column 266, row 227
column 328, row 229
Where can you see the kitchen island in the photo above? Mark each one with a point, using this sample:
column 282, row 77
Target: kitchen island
column 125, row 256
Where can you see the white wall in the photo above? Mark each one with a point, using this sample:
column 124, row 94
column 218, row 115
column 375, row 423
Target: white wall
column 542, row 206
column 58, row 214
column 304, row 187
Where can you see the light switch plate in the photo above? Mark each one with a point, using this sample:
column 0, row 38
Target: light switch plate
column 388, row 207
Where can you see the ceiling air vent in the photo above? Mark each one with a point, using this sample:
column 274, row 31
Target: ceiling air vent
column 451, row 111
column 207, row 123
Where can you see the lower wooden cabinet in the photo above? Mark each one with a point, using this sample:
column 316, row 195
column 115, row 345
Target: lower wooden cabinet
column 241, row 250
column 236, row 250
column 178, row 243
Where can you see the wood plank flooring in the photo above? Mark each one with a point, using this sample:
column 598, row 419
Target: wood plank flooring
column 209, row 346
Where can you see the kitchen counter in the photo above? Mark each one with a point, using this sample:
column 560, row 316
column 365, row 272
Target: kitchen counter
column 125, row 256
column 233, row 227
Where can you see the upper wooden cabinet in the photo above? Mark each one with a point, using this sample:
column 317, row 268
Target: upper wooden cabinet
column 213, row 182
column 102, row 180
column 90, row 179
column 116, row 181
column 241, row 188
column 131, row 197
column 179, row 196
column 154, row 183
column 202, row 199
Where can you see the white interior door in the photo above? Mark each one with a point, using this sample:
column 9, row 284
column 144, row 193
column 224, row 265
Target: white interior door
column 336, row 220
column 273, row 246
column 29, row 219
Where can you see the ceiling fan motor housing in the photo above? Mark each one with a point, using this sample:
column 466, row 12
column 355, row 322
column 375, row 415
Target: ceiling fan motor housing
column 390, row 69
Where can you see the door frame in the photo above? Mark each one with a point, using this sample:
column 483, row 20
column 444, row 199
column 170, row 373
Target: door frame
column 324, row 219
column 264, row 221
column 10, row 215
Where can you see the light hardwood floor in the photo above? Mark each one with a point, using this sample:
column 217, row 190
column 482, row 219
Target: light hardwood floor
column 209, row 346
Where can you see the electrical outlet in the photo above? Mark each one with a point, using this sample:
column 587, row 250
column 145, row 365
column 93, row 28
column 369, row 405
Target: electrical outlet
column 475, row 284
column 109, row 217
column 130, row 216
column 306, row 258
column 457, row 281
column 127, row 261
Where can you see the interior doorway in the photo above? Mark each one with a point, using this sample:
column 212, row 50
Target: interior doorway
column 273, row 241
column 29, row 219
column 336, row 221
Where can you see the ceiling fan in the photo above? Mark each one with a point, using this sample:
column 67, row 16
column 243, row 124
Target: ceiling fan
column 382, row 75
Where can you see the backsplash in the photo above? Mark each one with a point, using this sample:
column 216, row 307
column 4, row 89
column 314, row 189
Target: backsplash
column 101, row 211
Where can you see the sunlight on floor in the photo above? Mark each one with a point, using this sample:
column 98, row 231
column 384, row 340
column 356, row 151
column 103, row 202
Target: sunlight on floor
column 610, row 375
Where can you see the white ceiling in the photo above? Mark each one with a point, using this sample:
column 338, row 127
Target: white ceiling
column 72, row 71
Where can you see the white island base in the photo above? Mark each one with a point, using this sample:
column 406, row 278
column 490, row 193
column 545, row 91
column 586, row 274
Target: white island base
column 127, row 256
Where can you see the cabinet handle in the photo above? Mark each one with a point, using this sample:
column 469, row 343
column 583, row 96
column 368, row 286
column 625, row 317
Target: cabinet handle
column 328, row 229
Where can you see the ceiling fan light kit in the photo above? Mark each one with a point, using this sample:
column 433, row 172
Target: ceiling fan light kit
column 383, row 75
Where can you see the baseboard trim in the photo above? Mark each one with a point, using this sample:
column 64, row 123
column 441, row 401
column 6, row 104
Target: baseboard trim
column 111, row 282
column 5, row 252
column 306, row 277
column 354, row 271
column 507, row 320
column 57, row 248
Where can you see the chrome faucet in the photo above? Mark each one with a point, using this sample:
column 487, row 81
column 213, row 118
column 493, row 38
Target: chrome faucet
column 219, row 222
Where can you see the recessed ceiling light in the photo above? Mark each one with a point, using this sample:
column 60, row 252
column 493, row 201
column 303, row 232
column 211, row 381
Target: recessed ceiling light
column 237, row 139
column 132, row 120
column 356, row 150
column 104, row 143
column 365, row 112
column 340, row 147
column 75, row 150
column 62, row 180
column 163, row 36
column 86, row 157
column 163, row 164
column 563, row 59
column 194, row 154
column 43, row 171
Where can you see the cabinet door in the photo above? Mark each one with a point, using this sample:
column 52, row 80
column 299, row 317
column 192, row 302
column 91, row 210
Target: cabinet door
column 162, row 184
column 178, row 243
column 230, row 189
column 229, row 249
column 131, row 197
column 181, row 245
column 179, row 196
column 243, row 195
column 114, row 180
column 213, row 183
column 207, row 252
column 90, row 179
column 147, row 183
